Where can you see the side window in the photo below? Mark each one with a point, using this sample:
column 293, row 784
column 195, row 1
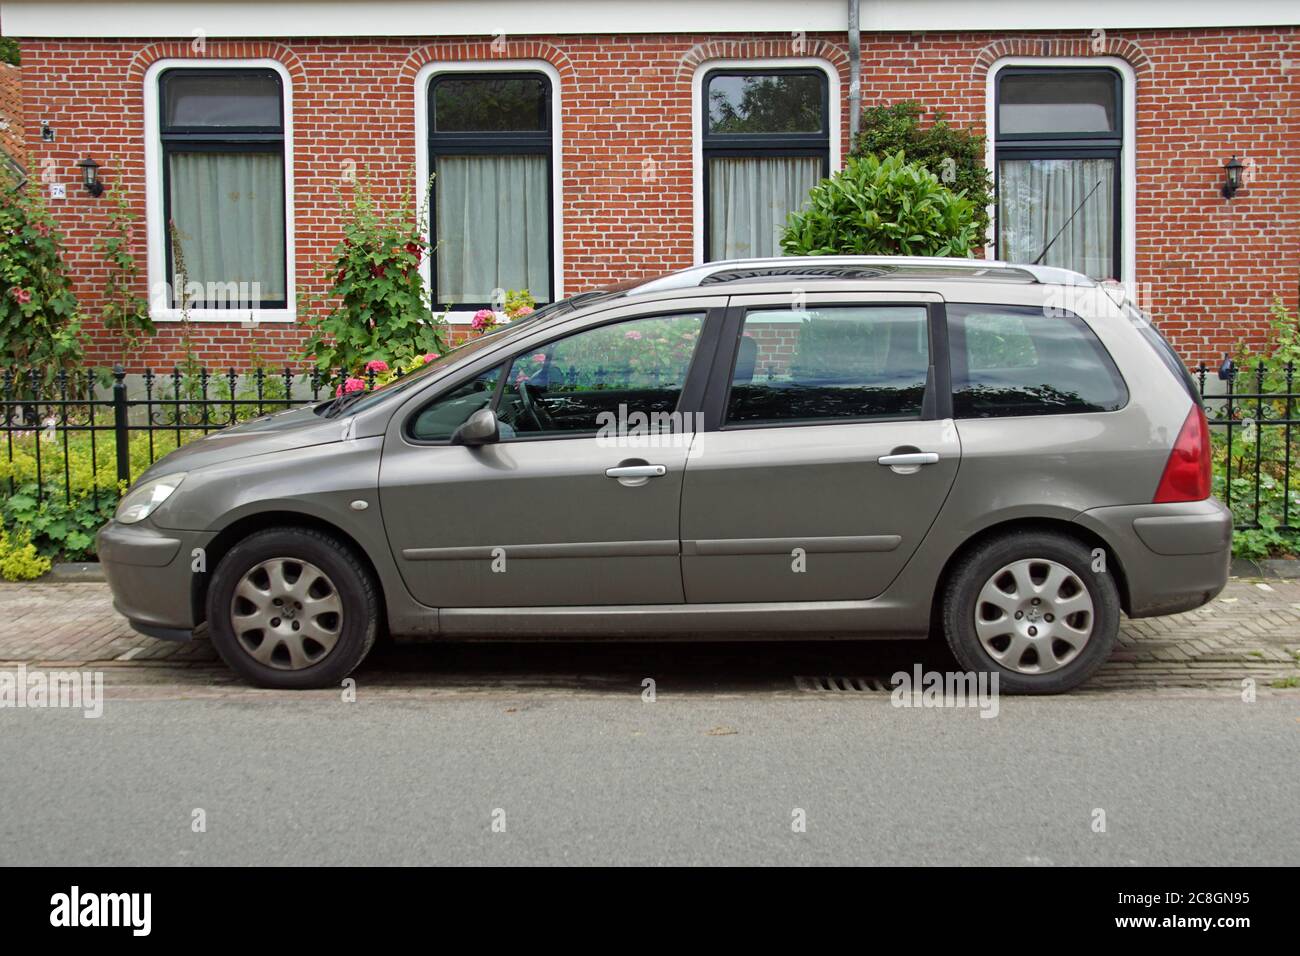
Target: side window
column 830, row 363
column 1014, row 360
column 437, row 420
column 627, row 368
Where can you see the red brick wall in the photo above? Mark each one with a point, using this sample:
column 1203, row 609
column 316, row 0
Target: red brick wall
column 1211, row 267
column 11, row 110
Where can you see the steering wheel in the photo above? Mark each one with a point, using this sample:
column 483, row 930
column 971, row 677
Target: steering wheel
column 532, row 408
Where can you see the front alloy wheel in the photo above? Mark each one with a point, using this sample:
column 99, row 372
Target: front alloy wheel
column 287, row 614
column 293, row 608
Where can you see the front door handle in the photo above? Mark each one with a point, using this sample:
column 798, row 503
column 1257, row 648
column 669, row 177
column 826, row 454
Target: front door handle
column 911, row 458
column 637, row 471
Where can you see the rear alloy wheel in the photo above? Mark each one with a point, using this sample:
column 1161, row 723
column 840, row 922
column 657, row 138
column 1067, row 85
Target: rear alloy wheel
column 292, row 608
column 1030, row 607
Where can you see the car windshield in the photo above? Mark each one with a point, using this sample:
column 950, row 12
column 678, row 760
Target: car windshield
column 549, row 311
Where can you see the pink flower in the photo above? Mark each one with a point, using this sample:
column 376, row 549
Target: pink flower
column 354, row 385
column 430, row 357
column 539, row 357
column 376, row 365
column 483, row 318
column 523, row 310
column 21, row 296
column 633, row 335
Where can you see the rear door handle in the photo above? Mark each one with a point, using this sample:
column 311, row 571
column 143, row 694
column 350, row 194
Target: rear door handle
column 912, row 458
column 637, row 471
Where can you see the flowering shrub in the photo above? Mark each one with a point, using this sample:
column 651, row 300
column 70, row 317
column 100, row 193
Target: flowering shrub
column 381, row 308
column 39, row 322
column 518, row 303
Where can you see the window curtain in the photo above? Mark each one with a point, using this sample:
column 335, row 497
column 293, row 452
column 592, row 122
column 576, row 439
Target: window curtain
column 750, row 198
column 1037, row 196
column 229, row 214
column 493, row 227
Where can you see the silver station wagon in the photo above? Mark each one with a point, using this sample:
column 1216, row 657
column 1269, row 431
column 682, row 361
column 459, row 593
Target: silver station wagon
column 1006, row 455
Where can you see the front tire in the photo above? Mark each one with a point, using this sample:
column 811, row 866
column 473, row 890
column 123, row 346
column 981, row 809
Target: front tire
column 1029, row 607
column 292, row 608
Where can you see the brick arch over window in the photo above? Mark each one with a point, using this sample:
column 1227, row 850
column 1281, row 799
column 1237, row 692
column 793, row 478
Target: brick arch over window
column 486, row 50
column 216, row 50
column 1060, row 47
column 761, row 50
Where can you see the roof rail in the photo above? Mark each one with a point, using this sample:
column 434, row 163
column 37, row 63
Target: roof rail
column 858, row 267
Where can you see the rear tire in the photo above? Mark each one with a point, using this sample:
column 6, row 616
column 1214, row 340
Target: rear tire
column 292, row 608
column 1028, row 607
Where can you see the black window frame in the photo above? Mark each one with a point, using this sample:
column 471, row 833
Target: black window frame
column 1075, row 145
column 774, row 145
column 221, row 139
column 489, row 143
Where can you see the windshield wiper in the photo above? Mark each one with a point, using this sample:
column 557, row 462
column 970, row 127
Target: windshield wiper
column 337, row 405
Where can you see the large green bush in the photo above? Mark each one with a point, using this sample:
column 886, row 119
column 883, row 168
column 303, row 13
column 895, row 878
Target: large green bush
column 883, row 207
column 953, row 154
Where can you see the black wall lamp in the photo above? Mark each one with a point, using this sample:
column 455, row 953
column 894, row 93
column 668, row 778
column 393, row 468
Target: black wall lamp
column 1232, row 177
column 90, row 176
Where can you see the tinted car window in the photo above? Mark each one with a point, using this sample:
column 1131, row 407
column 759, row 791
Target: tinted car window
column 625, row 368
column 830, row 363
column 1014, row 360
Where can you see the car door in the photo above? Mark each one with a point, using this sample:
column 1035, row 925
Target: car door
column 828, row 452
column 578, row 502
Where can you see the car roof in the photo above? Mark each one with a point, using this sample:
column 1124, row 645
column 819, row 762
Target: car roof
column 951, row 278
column 867, row 268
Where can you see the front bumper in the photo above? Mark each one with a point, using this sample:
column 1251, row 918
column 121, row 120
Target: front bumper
column 1174, row 557
column 151, row 573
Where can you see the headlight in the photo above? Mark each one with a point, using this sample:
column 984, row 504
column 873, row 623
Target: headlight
column 141, row 501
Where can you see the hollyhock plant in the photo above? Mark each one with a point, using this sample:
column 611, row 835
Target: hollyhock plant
column 376, row 307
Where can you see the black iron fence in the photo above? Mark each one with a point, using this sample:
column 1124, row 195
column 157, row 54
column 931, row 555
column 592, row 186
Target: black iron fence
column 86, row 434
column 1254, row 429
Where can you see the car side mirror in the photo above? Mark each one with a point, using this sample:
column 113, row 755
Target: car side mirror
column 479, row 429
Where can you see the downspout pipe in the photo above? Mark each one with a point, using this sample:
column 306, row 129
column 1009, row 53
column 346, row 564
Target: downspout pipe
column 855, row 74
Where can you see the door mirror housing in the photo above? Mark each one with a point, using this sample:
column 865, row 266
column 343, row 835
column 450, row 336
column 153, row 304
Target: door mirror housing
column 479, row 429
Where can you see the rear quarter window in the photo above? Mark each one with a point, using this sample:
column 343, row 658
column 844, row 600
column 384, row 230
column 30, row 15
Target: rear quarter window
column 1014, row 360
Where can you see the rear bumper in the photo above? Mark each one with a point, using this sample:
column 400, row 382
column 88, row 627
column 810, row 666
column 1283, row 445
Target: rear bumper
column 151, row 574
column 1174, row 557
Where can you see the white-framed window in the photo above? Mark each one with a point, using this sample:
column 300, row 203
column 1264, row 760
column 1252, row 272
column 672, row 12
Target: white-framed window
column 766, row 132
column 1062, row 151
column 490, row 135
column 219, row 190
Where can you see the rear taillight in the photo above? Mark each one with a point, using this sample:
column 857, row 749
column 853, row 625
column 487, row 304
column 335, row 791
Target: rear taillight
column 1187, row 473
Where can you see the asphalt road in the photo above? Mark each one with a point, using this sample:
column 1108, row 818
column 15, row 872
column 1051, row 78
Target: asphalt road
column 583, row 773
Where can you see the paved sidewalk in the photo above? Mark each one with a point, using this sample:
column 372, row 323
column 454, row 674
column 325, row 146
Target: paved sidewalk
column 1251, row 630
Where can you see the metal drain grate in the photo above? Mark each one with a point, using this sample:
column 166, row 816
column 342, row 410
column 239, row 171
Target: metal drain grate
column 842, row 685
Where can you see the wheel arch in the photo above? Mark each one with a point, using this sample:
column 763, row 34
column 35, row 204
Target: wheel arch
column 1072, row 529
column 247, row 524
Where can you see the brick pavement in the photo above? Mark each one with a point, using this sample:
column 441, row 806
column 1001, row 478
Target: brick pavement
column 1251, row 630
